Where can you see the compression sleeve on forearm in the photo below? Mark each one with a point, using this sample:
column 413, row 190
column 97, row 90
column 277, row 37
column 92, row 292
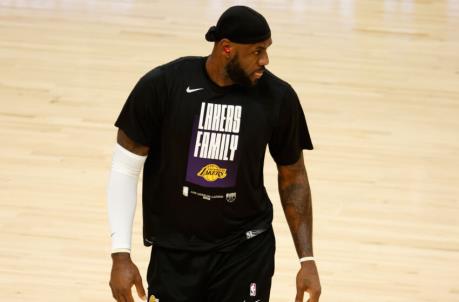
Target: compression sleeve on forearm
column 122, row 195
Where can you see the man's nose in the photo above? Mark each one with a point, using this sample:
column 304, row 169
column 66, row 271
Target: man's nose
column 264, row 60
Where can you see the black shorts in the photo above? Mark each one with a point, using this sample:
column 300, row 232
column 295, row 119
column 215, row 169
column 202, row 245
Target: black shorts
column 242, row 274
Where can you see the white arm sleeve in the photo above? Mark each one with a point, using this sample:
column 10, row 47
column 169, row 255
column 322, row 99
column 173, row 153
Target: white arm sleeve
column 122, row 196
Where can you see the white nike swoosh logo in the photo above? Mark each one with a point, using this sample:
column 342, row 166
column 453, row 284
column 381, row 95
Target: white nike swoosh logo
column 189, row 90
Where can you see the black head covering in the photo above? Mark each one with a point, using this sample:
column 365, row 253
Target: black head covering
column 240, row 24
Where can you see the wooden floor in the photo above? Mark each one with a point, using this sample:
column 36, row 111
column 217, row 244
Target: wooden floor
column 379, row 83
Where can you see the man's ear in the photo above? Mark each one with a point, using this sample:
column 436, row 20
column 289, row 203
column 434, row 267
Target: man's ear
column 226, row 47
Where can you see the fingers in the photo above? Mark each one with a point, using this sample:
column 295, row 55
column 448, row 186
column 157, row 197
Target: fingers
column 129, row 297
column 307, row 280
column 122, row 298
column 314, row 299
column 139, row 287
column 314, row 294
column 125, row 274
column 122, row 295
column 118, row 297
column 114, row 295
column 125, row 296
column 299, row 296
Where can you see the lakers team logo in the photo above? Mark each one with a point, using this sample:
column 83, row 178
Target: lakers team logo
column 213, row 156
column 212, row 172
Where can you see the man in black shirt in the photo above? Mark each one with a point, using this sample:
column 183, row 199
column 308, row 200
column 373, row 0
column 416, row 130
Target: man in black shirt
column 199, row 127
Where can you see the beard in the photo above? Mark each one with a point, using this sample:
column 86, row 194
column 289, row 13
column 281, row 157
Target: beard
column 237, row 74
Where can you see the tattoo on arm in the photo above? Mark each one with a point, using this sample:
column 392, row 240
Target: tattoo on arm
column 295, row 196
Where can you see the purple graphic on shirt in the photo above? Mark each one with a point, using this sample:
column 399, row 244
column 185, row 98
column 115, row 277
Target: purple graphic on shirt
column 212, row 157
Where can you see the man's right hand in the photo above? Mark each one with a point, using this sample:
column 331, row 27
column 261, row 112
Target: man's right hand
column 124, row 275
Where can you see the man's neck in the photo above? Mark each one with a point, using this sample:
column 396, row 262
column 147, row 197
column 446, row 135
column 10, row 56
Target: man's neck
column 216, row 70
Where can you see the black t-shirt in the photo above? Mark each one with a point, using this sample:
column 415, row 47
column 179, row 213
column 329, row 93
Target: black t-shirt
column 203, row 178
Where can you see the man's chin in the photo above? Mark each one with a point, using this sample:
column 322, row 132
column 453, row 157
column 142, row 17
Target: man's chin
column 254, row 81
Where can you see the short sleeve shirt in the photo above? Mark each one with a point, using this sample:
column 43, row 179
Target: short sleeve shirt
column 203, row 178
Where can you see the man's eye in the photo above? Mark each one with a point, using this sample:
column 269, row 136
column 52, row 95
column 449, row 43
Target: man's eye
column 256, row 52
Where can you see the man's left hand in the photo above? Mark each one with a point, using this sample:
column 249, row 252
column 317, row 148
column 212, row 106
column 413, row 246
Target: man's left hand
column 307, row 280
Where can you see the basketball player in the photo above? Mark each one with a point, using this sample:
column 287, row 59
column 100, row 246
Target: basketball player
column 199, row 127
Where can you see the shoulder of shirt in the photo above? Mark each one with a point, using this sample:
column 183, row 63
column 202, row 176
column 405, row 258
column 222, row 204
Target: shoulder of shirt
column 173, row 66
column 275, row 84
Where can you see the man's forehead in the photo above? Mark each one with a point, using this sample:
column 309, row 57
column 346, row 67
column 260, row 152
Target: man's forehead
column 263, row 44
column 259, row 45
